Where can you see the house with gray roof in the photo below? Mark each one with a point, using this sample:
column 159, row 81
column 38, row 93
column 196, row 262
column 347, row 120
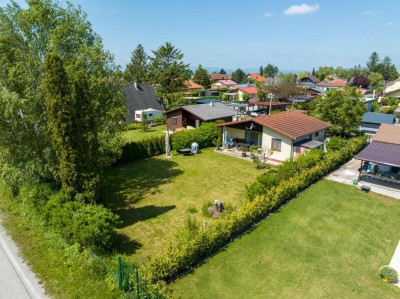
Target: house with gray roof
column 194, row 115
column 372, row 121
column 140, row 96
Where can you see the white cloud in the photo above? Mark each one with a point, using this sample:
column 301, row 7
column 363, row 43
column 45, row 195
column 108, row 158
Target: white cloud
column 370, row 12
column 269, row 14
column 301, row 9
column 390, row 24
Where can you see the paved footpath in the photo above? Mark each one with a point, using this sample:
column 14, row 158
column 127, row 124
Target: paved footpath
column 17, row 281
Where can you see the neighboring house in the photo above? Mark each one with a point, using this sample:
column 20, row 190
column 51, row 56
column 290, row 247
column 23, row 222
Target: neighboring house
column 257, row 78
column 314, row 92
column 372, row 121
column 223, row 84
column 216, row 77
column 308, row 81
column 250, row 91
column 397, row 114
column 255, row 106
column 392, row 89
column 151, row 114
column 368, row 101
column 140, row 96
column 380, row 160
column 194, row 115
column 287, row 134
column 193, row 87
column 332, row 84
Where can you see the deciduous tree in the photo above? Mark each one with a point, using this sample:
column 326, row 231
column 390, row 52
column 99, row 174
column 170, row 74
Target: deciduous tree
column 359, row 81
column 343, row 109
column 26, row 37
column 376, row 80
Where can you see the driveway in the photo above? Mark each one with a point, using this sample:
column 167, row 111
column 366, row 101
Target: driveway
column 16, row 279
column 349, row 171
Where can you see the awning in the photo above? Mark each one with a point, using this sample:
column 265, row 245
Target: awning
column 310, row 144
column 382, row 153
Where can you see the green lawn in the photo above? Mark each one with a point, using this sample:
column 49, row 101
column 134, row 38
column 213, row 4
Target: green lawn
column 327, row 243
column 137, row 134
column 153, row 196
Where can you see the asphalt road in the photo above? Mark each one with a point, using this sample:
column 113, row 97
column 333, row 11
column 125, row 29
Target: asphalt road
column 16, row 279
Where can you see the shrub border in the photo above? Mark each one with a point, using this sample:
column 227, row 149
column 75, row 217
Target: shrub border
column 176, row 261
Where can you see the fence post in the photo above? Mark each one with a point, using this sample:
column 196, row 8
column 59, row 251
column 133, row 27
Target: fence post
column 137, row 284
column 120, row 272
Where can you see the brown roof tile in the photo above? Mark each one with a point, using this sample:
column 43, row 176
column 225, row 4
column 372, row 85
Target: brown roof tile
column 388, row 134
column 217, row 77
column 292, row 124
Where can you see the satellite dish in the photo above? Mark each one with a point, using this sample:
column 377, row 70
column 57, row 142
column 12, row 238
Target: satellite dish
column 252, row 126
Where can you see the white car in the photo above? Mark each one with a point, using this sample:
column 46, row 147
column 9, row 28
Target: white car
column 254, row 114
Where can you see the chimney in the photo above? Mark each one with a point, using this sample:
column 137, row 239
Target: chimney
column 211, row 104
column 136, row 85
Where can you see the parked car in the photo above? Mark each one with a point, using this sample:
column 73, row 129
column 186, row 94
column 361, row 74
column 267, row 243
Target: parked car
column 254, row 114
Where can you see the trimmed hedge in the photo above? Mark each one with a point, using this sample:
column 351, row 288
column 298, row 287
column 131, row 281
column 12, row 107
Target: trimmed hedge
column 205, row 136
column 134, row 151
column 176, row 259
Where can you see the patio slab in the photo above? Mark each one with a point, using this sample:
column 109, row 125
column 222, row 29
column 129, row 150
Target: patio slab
column 349, row 171
column 238, row 154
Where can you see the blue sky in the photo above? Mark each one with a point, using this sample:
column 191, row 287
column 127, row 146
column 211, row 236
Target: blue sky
column 294, row 35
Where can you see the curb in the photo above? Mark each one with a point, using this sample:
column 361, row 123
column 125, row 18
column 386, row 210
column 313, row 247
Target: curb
column 28, row 278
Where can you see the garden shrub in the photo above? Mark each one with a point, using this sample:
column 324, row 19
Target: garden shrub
column 209, row 239
column 388, row 274
column 88, row 225
column 335, row 143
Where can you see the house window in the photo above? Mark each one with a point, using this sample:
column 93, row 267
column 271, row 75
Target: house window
column 174, row 121
column 138, row 116
column 316, row 134
column 276, row 144
column 150, row 115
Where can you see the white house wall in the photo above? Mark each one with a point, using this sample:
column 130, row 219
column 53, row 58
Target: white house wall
column 286, row 144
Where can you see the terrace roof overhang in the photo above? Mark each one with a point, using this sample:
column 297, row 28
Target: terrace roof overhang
column 382, row 153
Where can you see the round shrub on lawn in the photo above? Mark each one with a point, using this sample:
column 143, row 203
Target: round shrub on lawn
column 388, row 274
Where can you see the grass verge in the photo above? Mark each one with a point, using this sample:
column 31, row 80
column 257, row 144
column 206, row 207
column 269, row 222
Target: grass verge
column 327, row 243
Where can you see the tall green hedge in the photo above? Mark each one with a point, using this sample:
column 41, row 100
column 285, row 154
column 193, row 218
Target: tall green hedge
column 207, row 240
column 134, row 151
column 205, row 136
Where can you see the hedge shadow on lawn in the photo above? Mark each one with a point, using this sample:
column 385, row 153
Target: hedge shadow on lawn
column 125, row 245
column 132, row 182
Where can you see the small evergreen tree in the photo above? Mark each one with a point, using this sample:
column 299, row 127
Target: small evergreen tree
column 239, row 76
column 144, row 122
column 222, row 71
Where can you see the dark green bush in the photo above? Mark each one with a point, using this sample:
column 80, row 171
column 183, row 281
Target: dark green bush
column 388, row 274
column 210, row 238
column 205, row 136
column 335, row 143
column 77, row 222
column 134, row 151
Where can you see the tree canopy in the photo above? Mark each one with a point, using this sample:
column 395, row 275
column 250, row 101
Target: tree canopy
column 270, row 71
column 343, row 109
column 168, row 71
column 202, row 77
column 239, row 76
column 137, row 70
column 27, row 36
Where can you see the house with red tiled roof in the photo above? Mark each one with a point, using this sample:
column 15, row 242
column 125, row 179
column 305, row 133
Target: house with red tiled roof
column 256, row 77
column 223, row 84
column 193, row 86
column 288, row 134
column 216, row 77
column 251, row 91
column 332, row 84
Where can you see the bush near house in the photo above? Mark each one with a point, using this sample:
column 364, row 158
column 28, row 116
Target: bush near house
column 138, row 150
column 207, row 240
column 388, row 274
